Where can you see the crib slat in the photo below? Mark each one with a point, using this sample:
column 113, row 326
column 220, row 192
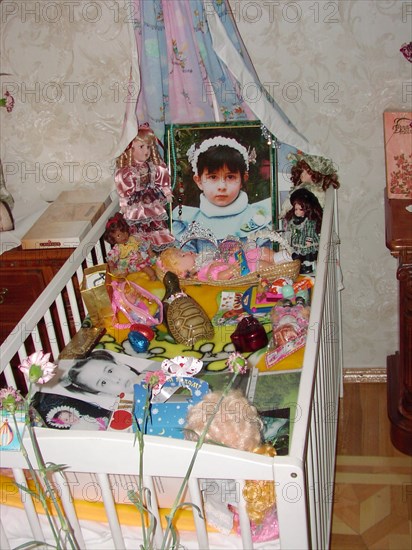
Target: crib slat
column 244, row 520
column 200, row 523
column 71, row 295
column 154, row 509
column 110, row 509
column 51, row 334
column 29, row 507
column 67, row 500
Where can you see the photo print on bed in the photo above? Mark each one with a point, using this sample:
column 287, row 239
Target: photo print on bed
column 92, row 393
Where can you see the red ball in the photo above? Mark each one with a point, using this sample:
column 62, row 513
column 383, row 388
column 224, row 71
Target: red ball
column 143, row 329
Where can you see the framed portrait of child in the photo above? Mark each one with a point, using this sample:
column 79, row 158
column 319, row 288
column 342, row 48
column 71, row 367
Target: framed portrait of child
column 223, row 178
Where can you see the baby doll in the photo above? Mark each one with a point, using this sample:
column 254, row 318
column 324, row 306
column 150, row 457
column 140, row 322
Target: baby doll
column 236, row 424
column 303, row 225
column 190, row 264
column 143, row 185
column 129, row 254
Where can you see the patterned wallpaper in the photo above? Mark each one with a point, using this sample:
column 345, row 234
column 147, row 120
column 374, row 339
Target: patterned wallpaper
column 334, row 67
column 68, row 65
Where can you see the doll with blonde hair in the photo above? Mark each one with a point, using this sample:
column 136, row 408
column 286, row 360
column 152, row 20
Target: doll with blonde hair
column 237, row 424
column 143, row 185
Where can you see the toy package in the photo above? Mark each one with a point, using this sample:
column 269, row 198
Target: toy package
column 290, row 326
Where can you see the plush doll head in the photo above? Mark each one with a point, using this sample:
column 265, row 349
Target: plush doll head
column 236, row 423
column 116, row 225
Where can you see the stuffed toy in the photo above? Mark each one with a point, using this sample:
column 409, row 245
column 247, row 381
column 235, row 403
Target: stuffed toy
column 236, row 424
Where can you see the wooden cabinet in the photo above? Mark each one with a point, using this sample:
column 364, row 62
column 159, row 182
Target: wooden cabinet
column 24, row 274
column 399, row 365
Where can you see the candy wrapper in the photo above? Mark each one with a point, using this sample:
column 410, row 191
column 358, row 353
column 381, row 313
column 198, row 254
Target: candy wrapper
column 290, row 327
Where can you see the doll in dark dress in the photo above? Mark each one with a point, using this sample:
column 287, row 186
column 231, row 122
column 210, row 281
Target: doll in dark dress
column 303, row 225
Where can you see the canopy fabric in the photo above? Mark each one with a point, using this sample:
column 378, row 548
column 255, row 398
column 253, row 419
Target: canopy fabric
column 194, row 67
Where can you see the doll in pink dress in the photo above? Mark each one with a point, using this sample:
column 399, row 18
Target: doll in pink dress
column 143, row 185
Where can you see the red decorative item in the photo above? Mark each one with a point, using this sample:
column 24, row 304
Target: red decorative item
column 249, row 335
column 121, row 420
column 143, row 329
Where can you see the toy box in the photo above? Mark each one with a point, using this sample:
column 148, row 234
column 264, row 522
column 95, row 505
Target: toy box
column 167, row 418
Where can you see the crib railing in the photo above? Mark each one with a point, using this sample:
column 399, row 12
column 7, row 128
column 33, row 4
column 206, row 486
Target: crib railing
column 303, row 479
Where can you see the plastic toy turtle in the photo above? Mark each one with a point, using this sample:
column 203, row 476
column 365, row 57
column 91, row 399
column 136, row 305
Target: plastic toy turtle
column 186, row 320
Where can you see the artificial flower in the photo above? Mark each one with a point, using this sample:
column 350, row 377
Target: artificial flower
column 237, row 363
column 153, row 379
column 38, row 368
column 9, row 399
column 7, row 101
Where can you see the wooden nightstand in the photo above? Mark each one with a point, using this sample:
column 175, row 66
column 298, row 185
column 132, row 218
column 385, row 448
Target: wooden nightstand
column 24, row 274
column 399, row 366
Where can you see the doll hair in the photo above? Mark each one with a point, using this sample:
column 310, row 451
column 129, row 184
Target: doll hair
column 325, row 180
column 146, row 135
column 310, row 205
column 115, row 223
column 170, row 261
column 236, row 423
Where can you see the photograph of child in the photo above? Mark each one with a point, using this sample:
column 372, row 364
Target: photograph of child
column 225, row 181
column 66, row 413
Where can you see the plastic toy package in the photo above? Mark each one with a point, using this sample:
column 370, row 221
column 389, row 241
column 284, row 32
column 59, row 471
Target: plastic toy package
column 289, row 331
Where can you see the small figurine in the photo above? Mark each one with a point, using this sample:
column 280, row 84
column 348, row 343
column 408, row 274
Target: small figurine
column 185, row 318
column 129, row 254
column 303, row 225
column 143, row 185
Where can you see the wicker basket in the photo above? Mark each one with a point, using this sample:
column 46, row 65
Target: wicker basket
column 288, row 269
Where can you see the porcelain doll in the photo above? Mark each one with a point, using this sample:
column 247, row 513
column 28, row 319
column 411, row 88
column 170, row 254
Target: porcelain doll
column 143, row 185
column 129, row 254
column 314, row 173
column 303, row 225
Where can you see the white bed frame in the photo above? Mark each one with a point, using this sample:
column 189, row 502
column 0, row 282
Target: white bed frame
column 303, row 480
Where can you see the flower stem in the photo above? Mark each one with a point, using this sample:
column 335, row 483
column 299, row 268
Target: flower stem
column 199, row 445
column 65, row 526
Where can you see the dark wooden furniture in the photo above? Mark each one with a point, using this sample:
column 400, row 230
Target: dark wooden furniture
column 399, row 365
column 24, row 274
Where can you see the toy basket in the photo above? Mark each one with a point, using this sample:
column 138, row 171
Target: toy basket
column 289, row 269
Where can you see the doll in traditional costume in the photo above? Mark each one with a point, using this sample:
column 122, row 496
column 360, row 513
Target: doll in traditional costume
column 143, row 185
column 236, row 424
column 303, row 225
column 129, row 254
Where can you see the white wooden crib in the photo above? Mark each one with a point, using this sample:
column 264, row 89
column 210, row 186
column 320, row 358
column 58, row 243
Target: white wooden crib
column 303, row 479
